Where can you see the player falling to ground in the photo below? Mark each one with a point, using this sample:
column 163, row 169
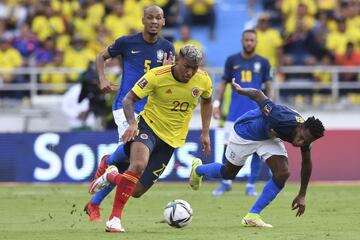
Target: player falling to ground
column 263, row 131
column 173, row 93
column 140, row 52
column 249, row 70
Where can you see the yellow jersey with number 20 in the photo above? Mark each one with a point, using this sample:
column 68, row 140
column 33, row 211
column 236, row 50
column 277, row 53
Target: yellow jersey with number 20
column 171, row 103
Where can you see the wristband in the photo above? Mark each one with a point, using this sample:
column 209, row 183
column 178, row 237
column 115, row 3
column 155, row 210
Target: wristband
column 216, row 104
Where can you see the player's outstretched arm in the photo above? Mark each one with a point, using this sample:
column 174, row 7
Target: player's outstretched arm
column 306, row 168
column 105, row 85
column 128, row 107
column 255, row 94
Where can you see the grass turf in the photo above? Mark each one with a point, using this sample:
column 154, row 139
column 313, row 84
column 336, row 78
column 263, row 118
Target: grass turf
column 55, row 212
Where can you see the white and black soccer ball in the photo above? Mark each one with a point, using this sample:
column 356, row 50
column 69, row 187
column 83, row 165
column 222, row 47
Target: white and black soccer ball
column 178, row 213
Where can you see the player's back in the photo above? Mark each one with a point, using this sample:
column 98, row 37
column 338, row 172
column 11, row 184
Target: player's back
column 256, row 124
column 138, row 57
column 249, row 73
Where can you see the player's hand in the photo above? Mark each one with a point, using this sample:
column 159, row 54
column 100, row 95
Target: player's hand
column 217, row 112
column 168, row 59
column 299, row 204
column 107, row 86
column 205, row 144
column 130, row 133
column 236, row 86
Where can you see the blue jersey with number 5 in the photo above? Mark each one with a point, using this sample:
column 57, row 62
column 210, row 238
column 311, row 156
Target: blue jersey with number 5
column 137, row 57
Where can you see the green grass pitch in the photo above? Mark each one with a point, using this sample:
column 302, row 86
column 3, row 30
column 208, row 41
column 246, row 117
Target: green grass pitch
column 55, row 212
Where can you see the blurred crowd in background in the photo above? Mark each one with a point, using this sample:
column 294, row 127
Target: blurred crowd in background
column 69, row 34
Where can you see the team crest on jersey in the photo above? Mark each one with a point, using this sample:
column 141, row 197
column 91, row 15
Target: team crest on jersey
column 195, row 92
column 257, row 67
column 267, row 109
column 299, row 119
column 160, row 54
column 142, row 83
column 144, row 136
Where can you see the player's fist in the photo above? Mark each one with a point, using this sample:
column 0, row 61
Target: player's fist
column 107, row 86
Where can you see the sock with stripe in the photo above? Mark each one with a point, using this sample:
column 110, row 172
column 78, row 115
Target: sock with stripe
column 126, row 184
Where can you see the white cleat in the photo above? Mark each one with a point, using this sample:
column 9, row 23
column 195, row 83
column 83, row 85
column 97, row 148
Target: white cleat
column 114, row 225
column 101, row 182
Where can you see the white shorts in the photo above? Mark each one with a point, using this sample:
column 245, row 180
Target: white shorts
column 239, row 149
column 120, row 120
column 228, row 127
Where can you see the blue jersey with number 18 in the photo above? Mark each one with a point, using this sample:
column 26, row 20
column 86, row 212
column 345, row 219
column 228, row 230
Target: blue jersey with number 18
column 137, row 57
column 249, row 73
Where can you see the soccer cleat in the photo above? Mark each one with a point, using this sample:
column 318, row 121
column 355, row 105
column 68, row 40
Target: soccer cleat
column 251, row 192
column 114, row 225
column 194, row 179
column 101, row 182
column 102, row 166
column 93, row 211
column 254, row 220
column 219, row 191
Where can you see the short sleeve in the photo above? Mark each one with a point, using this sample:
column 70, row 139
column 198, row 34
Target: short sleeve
column 228, row 70
column 207, row 93
column 266, row 71
column 145, row 85
column 117, row 48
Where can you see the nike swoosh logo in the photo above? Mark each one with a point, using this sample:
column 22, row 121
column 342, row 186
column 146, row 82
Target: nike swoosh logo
column 236, row 66
column 135, row 52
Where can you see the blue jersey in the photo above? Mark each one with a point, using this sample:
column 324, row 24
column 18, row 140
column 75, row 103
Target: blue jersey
column 257, row 123
column 248, row 73
column 138, row 56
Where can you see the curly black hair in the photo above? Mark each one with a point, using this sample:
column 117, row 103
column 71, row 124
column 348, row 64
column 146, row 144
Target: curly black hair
column 315, row 127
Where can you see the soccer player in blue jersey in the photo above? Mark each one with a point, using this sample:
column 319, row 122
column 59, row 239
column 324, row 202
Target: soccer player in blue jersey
column 140, row 52
column 263, row 131
column 251, row 71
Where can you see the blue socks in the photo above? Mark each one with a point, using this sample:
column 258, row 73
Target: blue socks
column 255, row 169
column 268, row 194
column 118, row 156
column 213, row 170
column 99, row 196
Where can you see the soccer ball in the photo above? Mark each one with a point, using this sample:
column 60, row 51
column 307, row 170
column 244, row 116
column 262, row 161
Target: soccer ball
column 178, row 213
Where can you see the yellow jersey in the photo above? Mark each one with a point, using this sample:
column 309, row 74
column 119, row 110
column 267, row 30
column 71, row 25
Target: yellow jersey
column 171, row 103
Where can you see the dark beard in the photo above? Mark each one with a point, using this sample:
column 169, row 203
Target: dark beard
column 247, row 52
column 153, row 34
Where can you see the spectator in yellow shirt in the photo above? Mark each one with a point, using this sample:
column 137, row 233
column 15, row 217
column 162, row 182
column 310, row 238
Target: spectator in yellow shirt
column 303, row 15
column 201, row 12
column 78, row 56
column 10, row 59
column 116, row 22
column 47, row 23
column 337, row 40
column 185, row 39
column 269, row 42
column 57, row 79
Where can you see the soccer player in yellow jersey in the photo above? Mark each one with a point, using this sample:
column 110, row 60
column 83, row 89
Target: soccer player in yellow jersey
column 173, row 92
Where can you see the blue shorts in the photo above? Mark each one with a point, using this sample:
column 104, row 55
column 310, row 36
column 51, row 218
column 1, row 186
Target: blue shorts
column 160, row 153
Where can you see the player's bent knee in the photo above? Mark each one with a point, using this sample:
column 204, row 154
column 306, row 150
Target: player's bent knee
column 282, row 176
